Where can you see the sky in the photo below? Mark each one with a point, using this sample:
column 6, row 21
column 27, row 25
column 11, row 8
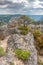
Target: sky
column 28, row 7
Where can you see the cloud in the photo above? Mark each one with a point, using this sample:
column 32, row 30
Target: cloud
column 40, row 0
column 21, row 6
column 37, row 12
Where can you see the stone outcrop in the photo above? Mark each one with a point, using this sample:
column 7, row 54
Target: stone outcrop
column 25, row 42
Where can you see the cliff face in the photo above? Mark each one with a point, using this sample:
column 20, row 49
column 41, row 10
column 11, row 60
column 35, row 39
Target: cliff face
column 13, row 41
column 24, row 42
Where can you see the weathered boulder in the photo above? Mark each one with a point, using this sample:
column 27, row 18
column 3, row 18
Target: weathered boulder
column 4, row 29
column 12, row 23
column 24, row 42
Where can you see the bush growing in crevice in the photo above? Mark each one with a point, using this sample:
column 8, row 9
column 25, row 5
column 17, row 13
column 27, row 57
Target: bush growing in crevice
column 22, row 54
column 11, row 63
column 40, row 62
column 38, row 36
column 24, row 30
column 36, row 33
column 2, row 52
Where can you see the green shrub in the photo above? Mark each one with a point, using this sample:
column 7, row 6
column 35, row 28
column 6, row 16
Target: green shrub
column 38, row 37
column 11, row 63
column 40, row 62
column 22, row 54
column 40, row 40
column 2, row 52
column 24, row 30
column 1, row 23
column 37, row 33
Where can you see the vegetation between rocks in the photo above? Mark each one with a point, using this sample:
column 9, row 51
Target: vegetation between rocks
column 37, row 33
column 2, row 52
column 11, row 63
column 22, row 54
column 24, row 29
column 38, row 36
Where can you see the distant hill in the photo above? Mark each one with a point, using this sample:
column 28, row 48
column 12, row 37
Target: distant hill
column 36, row 17
column 6, row 18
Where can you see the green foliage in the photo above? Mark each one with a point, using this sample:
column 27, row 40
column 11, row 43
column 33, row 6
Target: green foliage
column 2, row 52
column 40, row 62
column 11, row 63
column 22, row 54
column 37, row 33
column 39, row 37
column 24, row 30
column 1, row 23
column 40, row 40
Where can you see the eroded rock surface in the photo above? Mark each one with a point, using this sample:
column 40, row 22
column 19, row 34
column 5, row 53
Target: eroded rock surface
column 24, row 42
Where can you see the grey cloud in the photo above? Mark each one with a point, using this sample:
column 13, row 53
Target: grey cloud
column 31, row 0
column 11, row 5
column 5, row 2
column 40, row 0
column 36, row 9
column 41, row 4
column 16, row 5
column 19, row 7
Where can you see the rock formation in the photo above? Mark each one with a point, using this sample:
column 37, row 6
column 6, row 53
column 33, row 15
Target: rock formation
column 25, row 43
column 17, row 40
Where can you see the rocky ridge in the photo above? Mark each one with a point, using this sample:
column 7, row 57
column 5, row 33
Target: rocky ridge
column 12, row 40
column 25, row 42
